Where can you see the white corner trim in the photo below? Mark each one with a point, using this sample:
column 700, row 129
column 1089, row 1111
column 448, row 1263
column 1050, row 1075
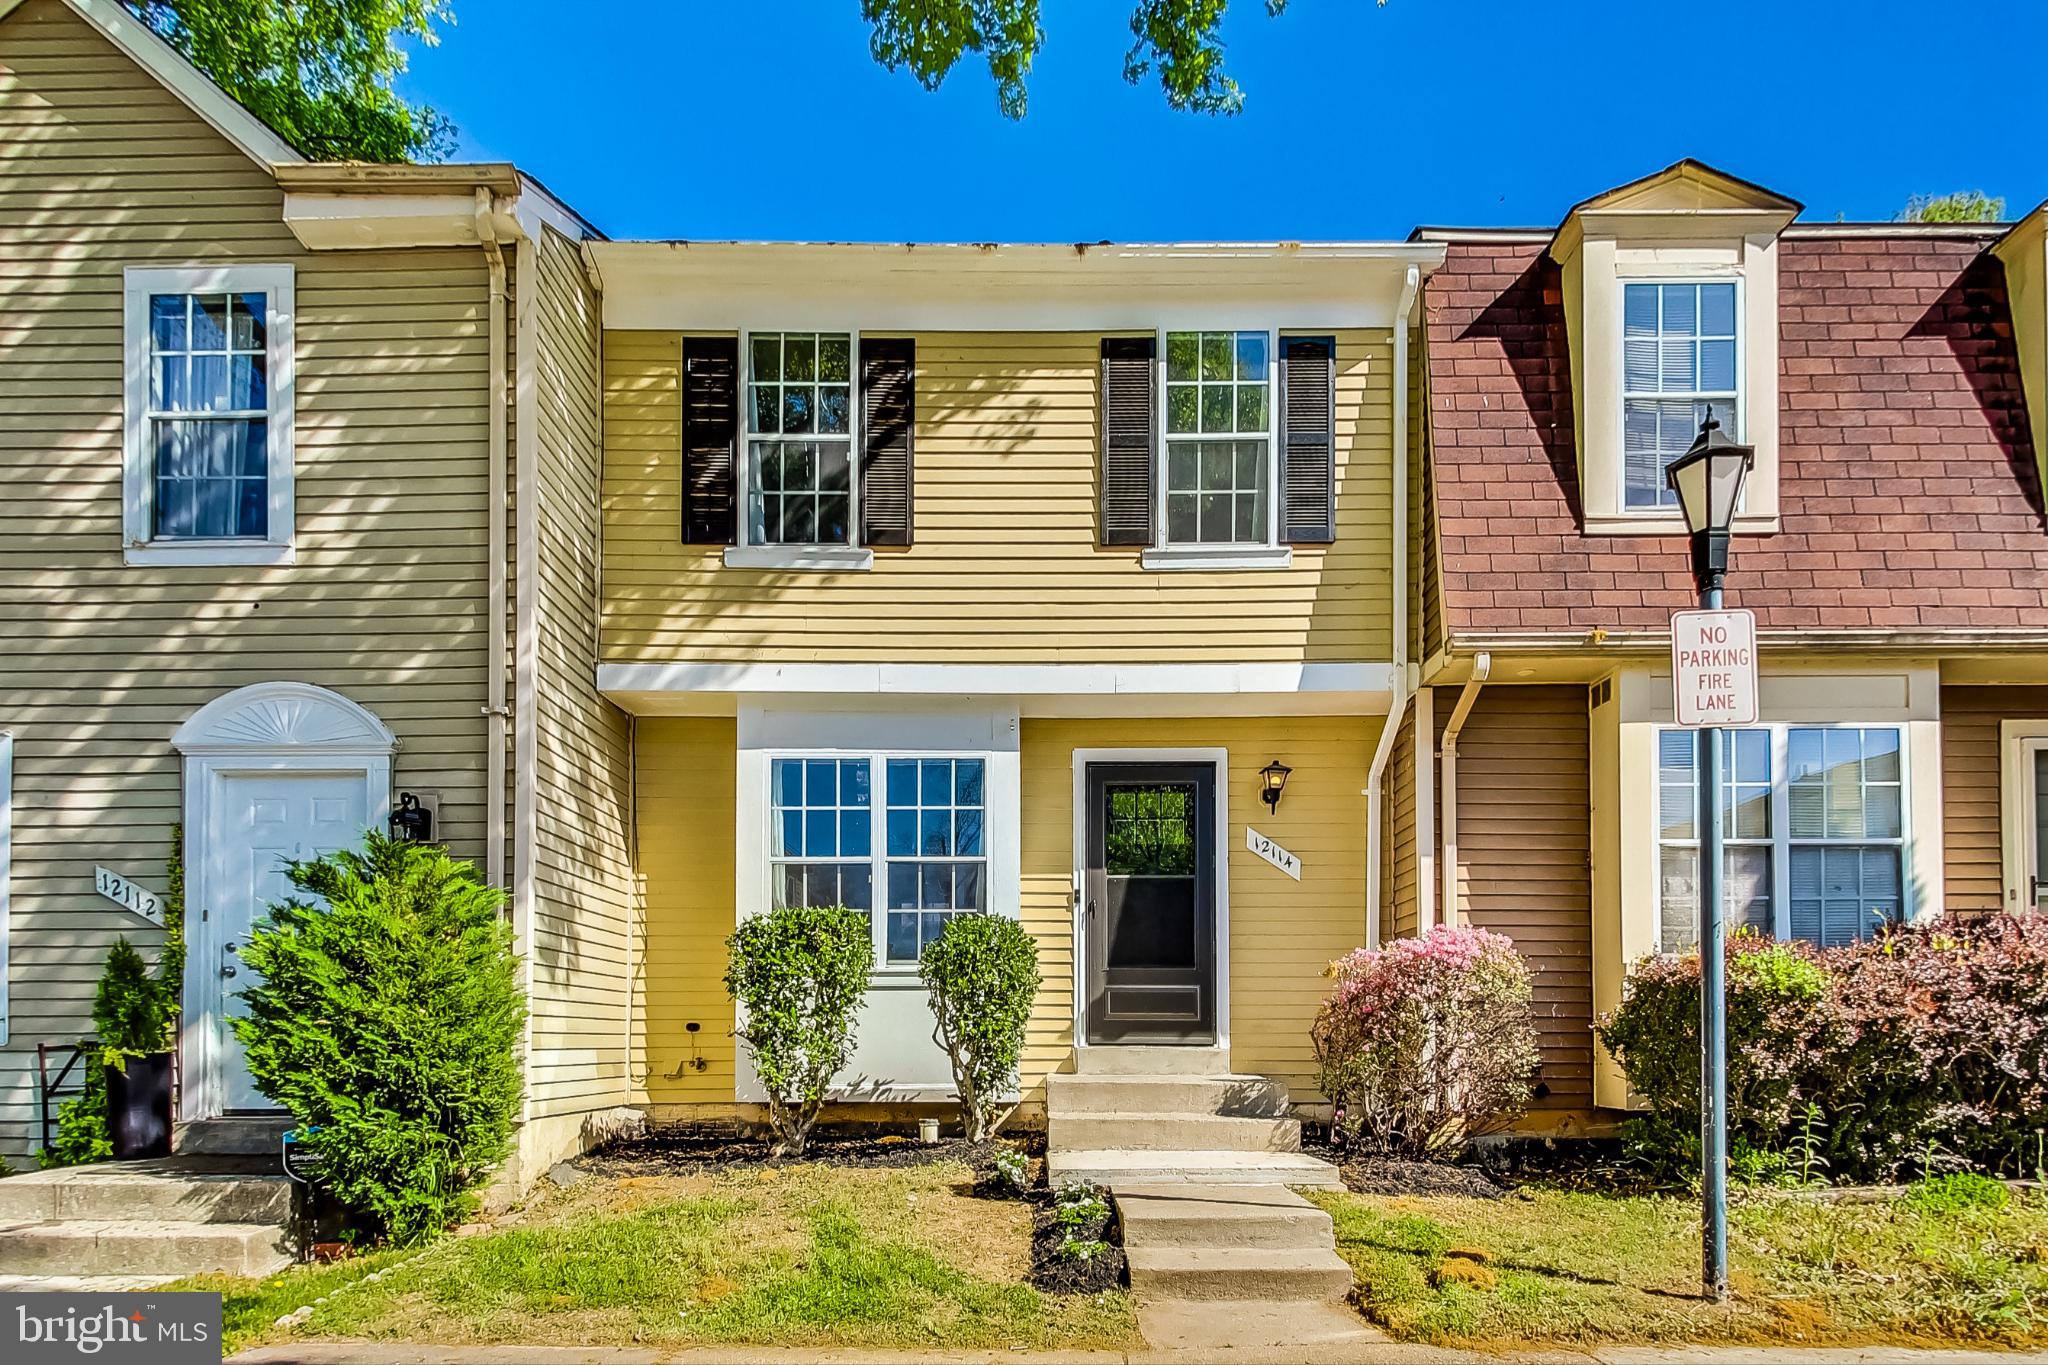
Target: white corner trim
column 1217, row 557
column 6, row 867
column 998, row 679
column 255, row 137
column 799, row 558
column 526, row 629
column 277, row 283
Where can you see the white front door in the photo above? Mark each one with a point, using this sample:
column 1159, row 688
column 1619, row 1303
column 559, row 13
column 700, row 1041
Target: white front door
column 260, row 822
column 2033, row 779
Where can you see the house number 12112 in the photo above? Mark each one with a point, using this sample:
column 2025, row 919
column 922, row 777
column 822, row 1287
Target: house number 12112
column 128, row 895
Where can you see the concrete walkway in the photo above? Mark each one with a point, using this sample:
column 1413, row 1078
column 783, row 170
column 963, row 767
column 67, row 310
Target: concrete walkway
column 1349, row 1353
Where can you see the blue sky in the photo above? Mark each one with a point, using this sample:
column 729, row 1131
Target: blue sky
column 768, row 119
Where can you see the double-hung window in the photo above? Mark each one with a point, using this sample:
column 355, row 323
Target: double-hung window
column 1219, row 438
column 1678, row 360
column 931, row 859
column 208, row 440
column 1814, row 833
column 800, row 433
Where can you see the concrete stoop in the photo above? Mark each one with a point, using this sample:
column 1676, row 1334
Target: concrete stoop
column 183, row 1216
column 1230, row 1242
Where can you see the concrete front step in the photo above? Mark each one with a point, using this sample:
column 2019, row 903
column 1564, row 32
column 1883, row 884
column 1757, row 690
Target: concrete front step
column 138, row 1247
column 179, row 1190
column 239, row 1135
column 1153, row 1132
column 1124, row 1167
column 1237, row 1273
column 1236, row 1096
column 1254, row 1217
column 1151, row 1061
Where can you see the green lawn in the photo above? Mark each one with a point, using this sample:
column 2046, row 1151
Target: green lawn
column 1574, row 1268
column 808, row 1255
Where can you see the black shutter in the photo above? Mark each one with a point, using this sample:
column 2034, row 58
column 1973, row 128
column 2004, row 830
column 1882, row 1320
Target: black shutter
column 888, row 419
column 710, row 428
column 1127, row 413
column 1308, row 454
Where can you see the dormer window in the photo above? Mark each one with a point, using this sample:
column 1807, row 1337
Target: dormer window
column 1678, row 359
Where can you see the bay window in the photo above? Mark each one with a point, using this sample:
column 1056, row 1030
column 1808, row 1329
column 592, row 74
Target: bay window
column 930, row 861
column 1814, row 831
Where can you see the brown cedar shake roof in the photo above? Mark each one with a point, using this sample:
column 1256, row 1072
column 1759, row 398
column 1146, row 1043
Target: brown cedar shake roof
column 1909, row 496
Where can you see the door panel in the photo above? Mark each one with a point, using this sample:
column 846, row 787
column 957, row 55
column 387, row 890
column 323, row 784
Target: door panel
column 1149, row 902
column 266, row 820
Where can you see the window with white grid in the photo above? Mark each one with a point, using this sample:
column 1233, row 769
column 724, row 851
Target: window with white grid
column 1218, row 437
column 800, row 438
column 1678, row 360
column 937, row 854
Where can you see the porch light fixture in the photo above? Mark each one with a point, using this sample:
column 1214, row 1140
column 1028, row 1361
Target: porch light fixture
column 412, row 823
column 1273, row 781
column 1708, row 479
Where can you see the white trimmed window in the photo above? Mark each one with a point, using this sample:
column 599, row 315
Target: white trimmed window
column 1678, row 359
column 1814, row 833
column 800, row 430
column 208, row 425
column 931, row 863
column 1219, row 439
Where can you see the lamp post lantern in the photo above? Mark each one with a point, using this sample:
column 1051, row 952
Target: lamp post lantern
column 1708, row 481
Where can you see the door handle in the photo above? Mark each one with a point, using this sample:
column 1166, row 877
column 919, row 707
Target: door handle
column 1091, row 905
column 228, row 969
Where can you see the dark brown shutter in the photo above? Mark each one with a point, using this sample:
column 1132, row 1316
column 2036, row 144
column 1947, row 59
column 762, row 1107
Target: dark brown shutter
column 1127, row 414
column 888, row 419
column 1308, row 454
column 710, row 431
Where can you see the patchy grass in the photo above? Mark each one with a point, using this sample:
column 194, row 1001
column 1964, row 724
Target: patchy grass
column 1574, row 1268
column 804, row 1256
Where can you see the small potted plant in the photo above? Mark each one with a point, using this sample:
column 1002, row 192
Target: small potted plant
column 133, row 1014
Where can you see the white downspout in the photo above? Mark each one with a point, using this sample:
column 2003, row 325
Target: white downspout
column 1397, row 706
column 496, row 713
column 1481, row 666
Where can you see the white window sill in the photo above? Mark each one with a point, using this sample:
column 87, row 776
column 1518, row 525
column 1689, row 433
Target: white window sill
column 207, row 553
column 1212, row 557
column 808, row 558
column 1668, row 522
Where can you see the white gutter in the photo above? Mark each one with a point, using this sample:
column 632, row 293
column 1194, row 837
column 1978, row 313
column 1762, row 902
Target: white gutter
column 1397, row 707
column 1481, row 666
column 496, row 713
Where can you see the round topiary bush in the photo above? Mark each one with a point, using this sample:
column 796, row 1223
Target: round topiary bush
column 983, row 977
column 799, row 975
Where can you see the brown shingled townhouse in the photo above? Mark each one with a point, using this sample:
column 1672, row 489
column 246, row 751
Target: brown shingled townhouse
column 1351, row 561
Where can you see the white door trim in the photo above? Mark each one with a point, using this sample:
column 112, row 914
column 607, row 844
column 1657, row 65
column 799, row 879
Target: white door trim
column 2017, row 739
column 274, row 727
column 1216, row 758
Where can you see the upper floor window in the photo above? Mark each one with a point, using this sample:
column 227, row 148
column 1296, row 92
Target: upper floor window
column 799, row 407
column 1678, row 359
column 1814, row 832
column 208, row 439
column 1218, row 438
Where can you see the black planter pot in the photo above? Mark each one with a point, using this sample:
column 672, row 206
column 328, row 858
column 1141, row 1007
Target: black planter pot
column 139, row 1107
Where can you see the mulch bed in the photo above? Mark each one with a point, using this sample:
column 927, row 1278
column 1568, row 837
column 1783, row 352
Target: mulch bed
column 696, row 1151
column 1053, row 1273
column 1488, row 1171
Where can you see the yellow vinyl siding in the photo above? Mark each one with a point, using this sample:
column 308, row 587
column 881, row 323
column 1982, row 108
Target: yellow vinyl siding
column 1283, row 933
column 386, row 601
column 1973, row 869
column 685, row 771
column 1524, row 870
column 1006, row 565
column 580, row 946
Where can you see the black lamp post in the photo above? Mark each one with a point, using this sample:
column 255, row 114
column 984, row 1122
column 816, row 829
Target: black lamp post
column 1708, row 480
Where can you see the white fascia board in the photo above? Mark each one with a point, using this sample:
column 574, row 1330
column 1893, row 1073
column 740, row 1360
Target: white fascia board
column 181, row 78
column 744, row 286
column 1332, row 680
column 355, row 222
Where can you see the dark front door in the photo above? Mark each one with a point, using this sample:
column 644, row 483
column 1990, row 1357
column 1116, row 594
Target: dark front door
column 1149, row 903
